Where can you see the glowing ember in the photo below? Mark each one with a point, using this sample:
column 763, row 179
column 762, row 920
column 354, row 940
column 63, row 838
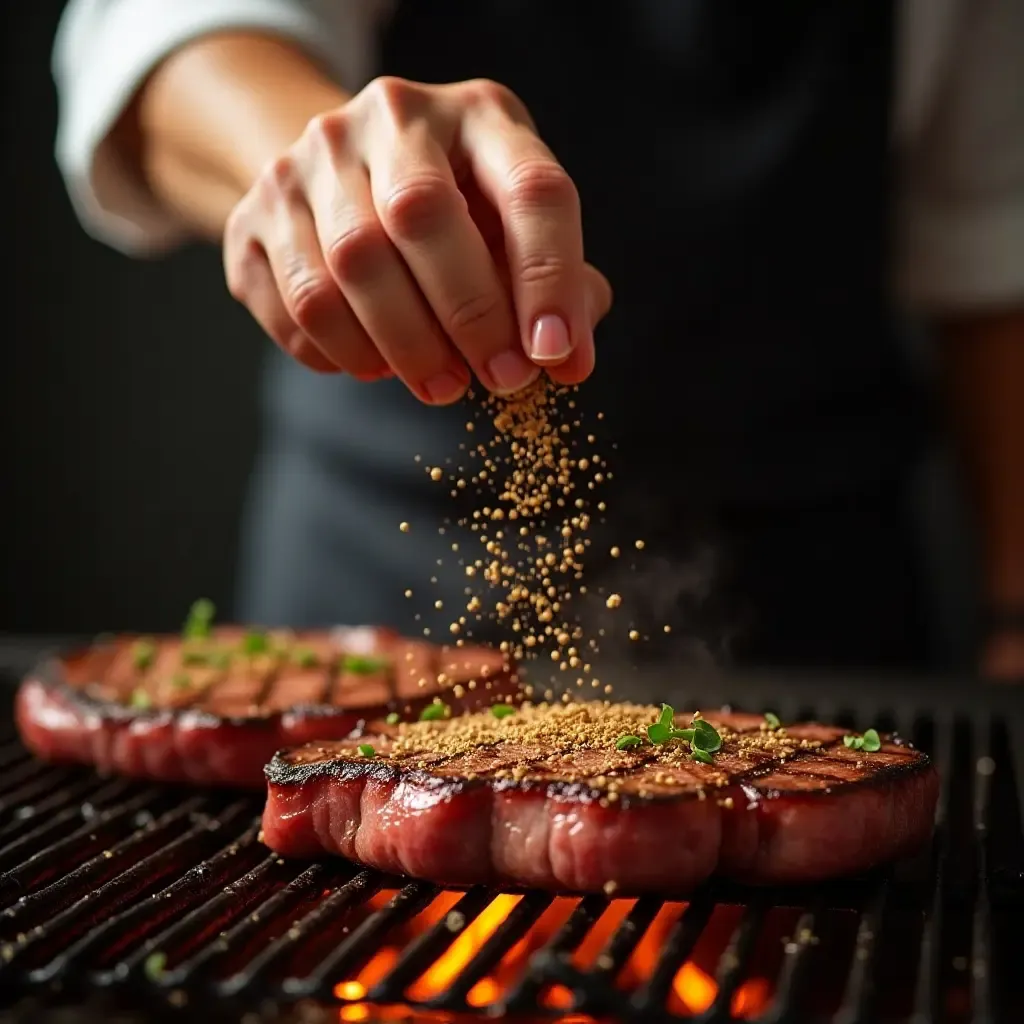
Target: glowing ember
column 693, row 989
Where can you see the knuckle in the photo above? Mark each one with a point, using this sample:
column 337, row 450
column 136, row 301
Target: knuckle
column 331, row 130
column 476, row 311
column 545, row 183
column 310, row 297
column 541, row 267
column 413, row 207
column 357, row 252
column 280, row 179
column 486, row 90
column 240, row 263
column 394, row 96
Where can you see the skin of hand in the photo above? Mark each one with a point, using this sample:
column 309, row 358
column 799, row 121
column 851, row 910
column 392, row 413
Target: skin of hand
column 423, row 231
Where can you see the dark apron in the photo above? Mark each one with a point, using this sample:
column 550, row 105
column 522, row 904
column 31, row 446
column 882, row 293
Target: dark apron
column 732, row 159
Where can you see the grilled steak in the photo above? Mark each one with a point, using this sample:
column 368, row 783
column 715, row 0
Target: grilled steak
column 543, row 798
column 213, row 711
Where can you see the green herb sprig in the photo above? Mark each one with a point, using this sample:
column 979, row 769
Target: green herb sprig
column 199, row 622
column 393, row 719
column 305, row 658
column 772, row 720
column 870, row 742
column 364, row 664
column 366, row 749
column 434, row 712
column 140, row 699
column 502, row 710
column 155, row 965
column 143, row 654
column 627, row 741
column 255, row 642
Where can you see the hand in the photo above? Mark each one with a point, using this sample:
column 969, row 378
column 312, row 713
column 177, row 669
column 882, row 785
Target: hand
column 1003, row 657
column 415, row 230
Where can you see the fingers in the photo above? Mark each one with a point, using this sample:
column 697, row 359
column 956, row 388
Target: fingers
column 374, row 280
column 251, row 282
column 427, row 219
column 598, row 298
column 309, row 294
column 540, row 214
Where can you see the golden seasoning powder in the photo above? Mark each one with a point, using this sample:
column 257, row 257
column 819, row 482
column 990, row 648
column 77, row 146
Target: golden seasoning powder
column 535, row 486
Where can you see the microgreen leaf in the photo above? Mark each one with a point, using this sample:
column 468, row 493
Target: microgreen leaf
column 433, row 712
column 304, row 657
column 155, row 965
column 667, row 716
column 393, row 718
column 181, row 680
column 141, row 699
column 772, row 719
column 363, row 664
column 705, row 737
column 502, row 710
column 701, row 755
column 872, row 741
column 143, row 654
column 200, row 619
column 659, row 733
column 366, row 750
column 854, row 742
column 255, row 642
column 627, row 741
column 683, row 734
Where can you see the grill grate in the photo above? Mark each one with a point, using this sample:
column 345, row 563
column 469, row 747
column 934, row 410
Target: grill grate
column 135, row 891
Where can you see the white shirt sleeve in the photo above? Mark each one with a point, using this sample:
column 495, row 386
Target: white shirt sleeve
column 960, row 209
column 105, row 49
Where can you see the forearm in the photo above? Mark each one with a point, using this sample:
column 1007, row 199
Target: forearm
column 214, row 114
column 984, row 358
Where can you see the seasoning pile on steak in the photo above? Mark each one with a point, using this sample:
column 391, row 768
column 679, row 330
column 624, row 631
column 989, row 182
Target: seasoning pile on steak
column 213, row 705
column 601, row 796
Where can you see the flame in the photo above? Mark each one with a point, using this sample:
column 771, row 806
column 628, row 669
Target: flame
column 693, row 989
column 440, row 975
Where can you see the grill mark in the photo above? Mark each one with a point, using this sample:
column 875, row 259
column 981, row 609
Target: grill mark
column 913, row 761
column 332, row 674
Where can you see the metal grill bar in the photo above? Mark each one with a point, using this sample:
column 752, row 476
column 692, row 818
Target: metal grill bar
column 794, row 975
column 734, row 962
column 927, row 997
column 523, row 916
column 555, row 953
column 427, row 948
column 194, row 885
column 353, row 893
column 227, row 906
column 109, row 938
column 981, row 992
column 678, row 947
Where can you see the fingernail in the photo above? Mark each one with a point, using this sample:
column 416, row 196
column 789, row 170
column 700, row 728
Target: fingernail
column 549, row 342
column 511, row 371
column 444, row 388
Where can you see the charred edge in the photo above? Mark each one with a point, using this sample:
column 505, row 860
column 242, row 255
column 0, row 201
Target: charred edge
column 71, row 698
column 51, row 674
column 285, row 773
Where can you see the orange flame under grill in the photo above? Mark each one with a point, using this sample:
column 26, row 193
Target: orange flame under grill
column 693, row 988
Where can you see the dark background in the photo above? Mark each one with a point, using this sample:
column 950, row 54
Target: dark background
column 128, row 413
column 127, row 396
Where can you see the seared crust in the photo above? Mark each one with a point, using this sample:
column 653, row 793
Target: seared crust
column 821, row 768
column 212, row 714
column 545, row 798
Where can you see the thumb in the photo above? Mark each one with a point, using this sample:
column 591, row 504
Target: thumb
column 597, row 293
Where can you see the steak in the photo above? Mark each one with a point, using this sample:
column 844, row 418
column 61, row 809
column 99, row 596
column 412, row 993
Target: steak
column 213, row 711
column 543, row 798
